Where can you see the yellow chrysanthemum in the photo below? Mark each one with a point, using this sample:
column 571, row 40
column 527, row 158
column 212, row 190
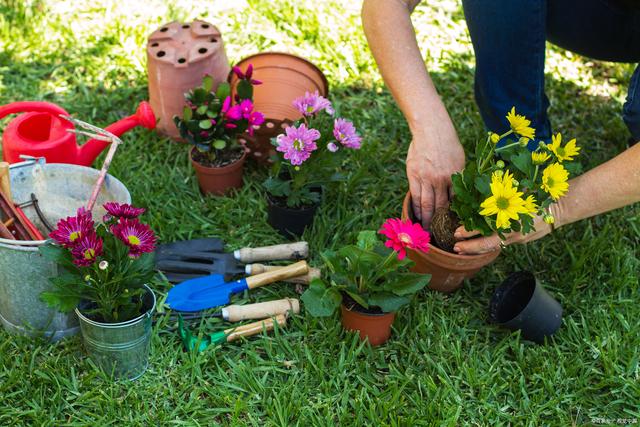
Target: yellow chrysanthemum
column 563, row 153
column 554, row 180
column 505, row 202
column 530, row 205
column 539, row 157
column 520, row 124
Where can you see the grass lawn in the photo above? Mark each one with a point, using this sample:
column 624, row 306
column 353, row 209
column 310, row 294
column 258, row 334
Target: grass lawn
column 445, row 364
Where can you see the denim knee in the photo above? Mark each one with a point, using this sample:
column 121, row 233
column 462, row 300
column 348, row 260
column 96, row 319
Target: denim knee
column 631, row 108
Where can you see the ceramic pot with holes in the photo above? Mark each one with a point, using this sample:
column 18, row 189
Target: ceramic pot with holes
column 178, row 57
column 284, row 78
column 448, row 270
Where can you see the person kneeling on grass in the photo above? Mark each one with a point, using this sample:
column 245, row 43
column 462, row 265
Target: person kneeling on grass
column 509, row 39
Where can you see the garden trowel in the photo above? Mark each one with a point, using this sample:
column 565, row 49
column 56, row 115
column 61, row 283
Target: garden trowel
column 212, row 291
column 190, row 259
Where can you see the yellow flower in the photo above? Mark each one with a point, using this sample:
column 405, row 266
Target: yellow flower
column 548, row 218
column 495, row 137
column 530, row 205
column 554, row 180
column 520, row 124
column 505, row 202
column 539, row 157
column 563, row 153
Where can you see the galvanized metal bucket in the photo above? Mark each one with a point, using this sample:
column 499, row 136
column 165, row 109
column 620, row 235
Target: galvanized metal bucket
column 60, row 189
column 120, row 349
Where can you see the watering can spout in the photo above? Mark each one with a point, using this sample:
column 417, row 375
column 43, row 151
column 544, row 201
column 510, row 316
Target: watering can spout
column 143, row 116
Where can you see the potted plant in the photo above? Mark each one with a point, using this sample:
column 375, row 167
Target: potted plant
column 104, row 270
column 310, row 151
column 370, row 281
column 507, row 182
column 212, row 122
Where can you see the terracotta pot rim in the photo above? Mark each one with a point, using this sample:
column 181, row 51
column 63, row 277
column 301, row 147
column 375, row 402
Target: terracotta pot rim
column 325, row 82
column 438, row 251
column 220, row 170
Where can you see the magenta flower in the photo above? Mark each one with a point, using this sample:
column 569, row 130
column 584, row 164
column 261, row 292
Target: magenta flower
column 345, row 133
column 246, row 75
column 405, row 235
column 297, row 143
column 246, row 107
column 255, row 119
column 229, row 111
column 332, row 147
column 311, row 103
column 137, row 236
column 87, row 249
column 68, row 231
column 117, row 210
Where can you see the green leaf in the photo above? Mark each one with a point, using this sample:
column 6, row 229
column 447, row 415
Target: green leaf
column 223, row 91
column 202, row 109
column 245, row 90
column 219, row 144
column 207, row 83
column 388, row 302
column 357, row 298
column 482, row 184
column 57, row 254
column 523, row 162
column 187, row 113
column 60, row 301
column 367, row 239
column 205, row 124
column 320, row 300
column 407, row 283
column 277, row 187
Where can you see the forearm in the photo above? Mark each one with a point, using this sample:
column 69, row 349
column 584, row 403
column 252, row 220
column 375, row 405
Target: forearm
column 391, row 36
column 611, row 185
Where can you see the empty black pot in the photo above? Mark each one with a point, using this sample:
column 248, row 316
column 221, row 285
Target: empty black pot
column 289, row 222
column 520, row 302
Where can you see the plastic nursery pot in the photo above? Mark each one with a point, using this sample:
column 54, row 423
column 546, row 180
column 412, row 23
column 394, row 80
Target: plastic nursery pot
column 284, row 78
column 521, row 303
column 448, row 270
column 218, row 181
column 289, row 222
column 121, row 349
column 178, row 56
column 373, row 327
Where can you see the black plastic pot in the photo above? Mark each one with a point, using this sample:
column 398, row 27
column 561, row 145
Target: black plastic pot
column 520, row 302
column 289, row 222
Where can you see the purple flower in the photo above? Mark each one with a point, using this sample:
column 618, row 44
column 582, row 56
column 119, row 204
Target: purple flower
column 297, row 143
column 69, row 231
column 137, row 236
column 246, row 75
column 246, row 107
column 345, row 133
column 230, row 112
column 332, row 147
column 87, row 249
column 311, row 103
column 118, row 210
column 255, row 119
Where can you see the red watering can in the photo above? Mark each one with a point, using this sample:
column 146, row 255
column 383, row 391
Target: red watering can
column 40, row 132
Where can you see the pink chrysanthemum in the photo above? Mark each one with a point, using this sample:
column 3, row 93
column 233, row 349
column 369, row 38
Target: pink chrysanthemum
column 311, row 103
column 403, row 235
column 68, row 231
column 137, row 236
column 87, row 249
column 297, row 144
column 117, row 210
column 345, row 133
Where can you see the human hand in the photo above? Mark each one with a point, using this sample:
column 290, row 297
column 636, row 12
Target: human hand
column 484, row 244
column 433, row 156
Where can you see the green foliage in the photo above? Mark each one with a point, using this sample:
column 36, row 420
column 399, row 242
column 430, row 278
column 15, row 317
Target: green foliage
column 370, row 273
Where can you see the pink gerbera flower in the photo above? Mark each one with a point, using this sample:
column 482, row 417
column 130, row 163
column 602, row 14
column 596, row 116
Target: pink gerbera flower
column 124, row 210
column 297, row 144
column 137, row 236
column 68, row 231
column 87, row 249
column 403, row 235
column 311, row 103
column 345, row 133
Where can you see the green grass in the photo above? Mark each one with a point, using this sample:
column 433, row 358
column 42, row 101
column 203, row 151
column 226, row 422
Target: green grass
column 445, row 364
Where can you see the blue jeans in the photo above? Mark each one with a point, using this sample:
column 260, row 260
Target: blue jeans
column 509, row 38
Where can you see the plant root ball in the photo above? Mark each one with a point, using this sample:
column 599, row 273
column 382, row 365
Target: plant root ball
column 443, row 226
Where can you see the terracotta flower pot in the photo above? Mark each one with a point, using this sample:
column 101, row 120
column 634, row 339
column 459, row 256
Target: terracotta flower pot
column 178, row 56
column 374, row 327
column 448, row 270
column 218, row 181
column 284, row 78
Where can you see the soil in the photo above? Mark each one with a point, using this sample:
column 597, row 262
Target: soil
column 228, row 157
column 352, row 305
column 443, row 226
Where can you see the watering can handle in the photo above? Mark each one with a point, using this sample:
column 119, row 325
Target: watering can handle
column 32, row 106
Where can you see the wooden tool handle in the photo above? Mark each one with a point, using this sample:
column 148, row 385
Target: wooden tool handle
column 314, row 273
column 237, row 313
column 255, row 327
column 5, row 180
column 297, row 269
column 299, row 250
column 5, row 233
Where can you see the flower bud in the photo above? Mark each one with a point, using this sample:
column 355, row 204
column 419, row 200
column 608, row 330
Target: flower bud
column 297, row 168
column 515, row 182
column 494, row 137
column 542, row 144
column 500, row 164
column 548, row 218
column 87, row 278
column 524, row 141
column 103, row 265
column 498, row 173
